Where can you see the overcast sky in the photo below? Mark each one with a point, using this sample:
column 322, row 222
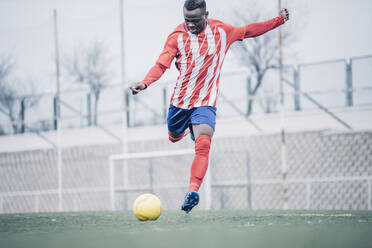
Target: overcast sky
column 332, row 29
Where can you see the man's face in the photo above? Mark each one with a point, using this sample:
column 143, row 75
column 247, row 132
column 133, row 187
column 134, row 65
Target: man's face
column 195, row 20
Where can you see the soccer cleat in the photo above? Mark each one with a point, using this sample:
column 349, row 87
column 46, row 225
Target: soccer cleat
column 191, row 200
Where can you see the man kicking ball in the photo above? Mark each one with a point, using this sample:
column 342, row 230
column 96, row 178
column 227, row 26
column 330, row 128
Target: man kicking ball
column 199, row 46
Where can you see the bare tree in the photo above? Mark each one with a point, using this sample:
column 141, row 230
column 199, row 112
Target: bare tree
column 90, row 66
column 259, row 55
column 15, row 95
column 2, row 131
column 6, row 67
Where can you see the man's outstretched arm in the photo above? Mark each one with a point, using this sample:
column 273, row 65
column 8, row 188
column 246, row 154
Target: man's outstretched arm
column 259, row 28
column 162, row 64
column 153, row 75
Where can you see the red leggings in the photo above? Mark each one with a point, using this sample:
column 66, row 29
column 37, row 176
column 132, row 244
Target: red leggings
column 200, row 164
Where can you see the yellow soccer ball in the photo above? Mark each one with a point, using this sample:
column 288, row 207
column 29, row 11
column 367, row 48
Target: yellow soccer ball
column 147, row 207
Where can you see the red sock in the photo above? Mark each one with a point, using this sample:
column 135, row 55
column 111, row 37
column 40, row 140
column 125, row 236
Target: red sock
column 174, row 140
column 200, row 164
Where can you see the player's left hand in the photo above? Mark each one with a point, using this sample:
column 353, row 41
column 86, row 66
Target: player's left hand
column 284, row 12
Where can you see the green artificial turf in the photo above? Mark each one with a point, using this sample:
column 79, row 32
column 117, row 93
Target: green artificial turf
column 197, row 229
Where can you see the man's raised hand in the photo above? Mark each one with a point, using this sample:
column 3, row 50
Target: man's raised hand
column 284, row 12
column 137, row 87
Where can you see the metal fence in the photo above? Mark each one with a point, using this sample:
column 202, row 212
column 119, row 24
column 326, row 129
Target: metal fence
column 325, row 171
column 326, row 84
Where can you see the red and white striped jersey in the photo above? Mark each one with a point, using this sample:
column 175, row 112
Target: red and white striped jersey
column 199, row 59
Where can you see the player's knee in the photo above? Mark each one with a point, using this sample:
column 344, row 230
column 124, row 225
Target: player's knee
column 174, row 140
column 202, row 145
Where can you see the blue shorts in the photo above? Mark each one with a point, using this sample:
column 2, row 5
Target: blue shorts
column 180, row 119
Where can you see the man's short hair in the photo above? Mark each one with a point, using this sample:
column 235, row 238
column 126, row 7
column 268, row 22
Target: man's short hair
column 195, row 4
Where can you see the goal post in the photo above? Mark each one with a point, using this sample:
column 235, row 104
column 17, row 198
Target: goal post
column 150, row 156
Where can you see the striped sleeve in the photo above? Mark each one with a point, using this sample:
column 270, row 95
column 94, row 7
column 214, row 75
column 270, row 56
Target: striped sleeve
column 154, row 74
column 252, row 29
column 169, row 51
column 259, row 28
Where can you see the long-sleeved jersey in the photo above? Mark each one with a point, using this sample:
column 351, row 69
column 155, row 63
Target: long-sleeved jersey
column 199, row 59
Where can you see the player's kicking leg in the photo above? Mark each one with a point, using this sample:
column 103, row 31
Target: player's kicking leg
column 201, row 121
column 203, row 133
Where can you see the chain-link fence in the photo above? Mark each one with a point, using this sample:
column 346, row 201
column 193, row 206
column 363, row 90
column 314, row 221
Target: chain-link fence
column 325, row 171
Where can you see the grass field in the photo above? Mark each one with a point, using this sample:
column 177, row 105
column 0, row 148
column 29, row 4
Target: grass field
column 197, row 229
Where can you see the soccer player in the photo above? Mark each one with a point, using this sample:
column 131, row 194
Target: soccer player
column 199, row 46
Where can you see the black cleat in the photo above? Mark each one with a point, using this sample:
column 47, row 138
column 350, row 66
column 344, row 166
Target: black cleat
column 191, row 200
